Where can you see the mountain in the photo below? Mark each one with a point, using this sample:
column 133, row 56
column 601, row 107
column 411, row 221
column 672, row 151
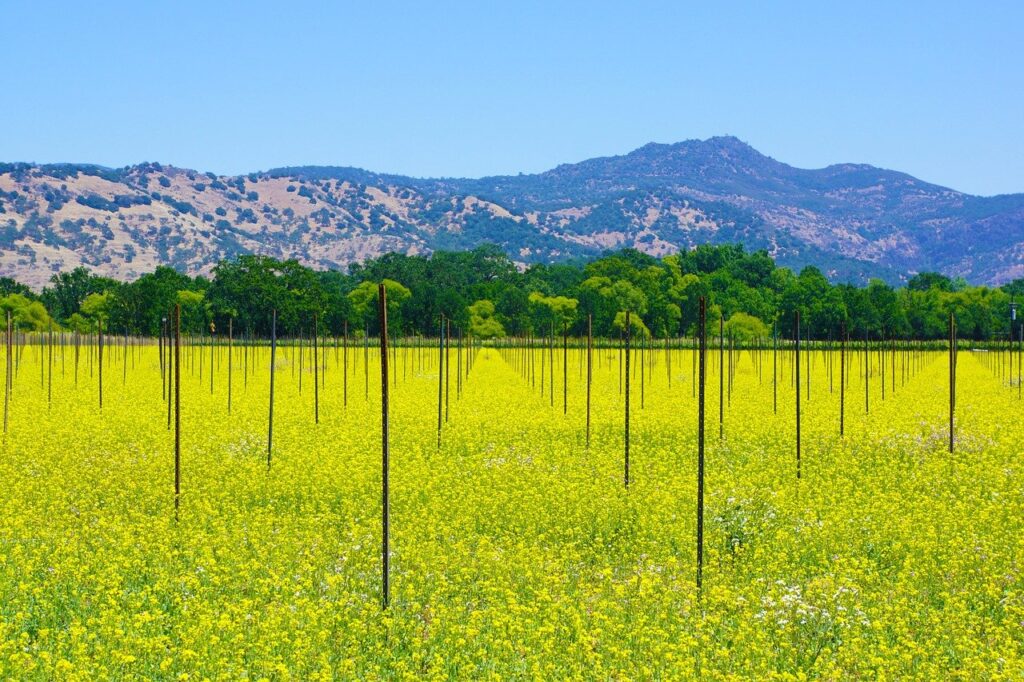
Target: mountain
column 853, row 221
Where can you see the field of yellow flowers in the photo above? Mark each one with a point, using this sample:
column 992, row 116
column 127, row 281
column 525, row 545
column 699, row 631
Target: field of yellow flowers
column 516, row 550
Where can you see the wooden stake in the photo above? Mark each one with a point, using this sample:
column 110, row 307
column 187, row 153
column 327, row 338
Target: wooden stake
column 273, row 365
column 703, row 339
column 49, row 380
column 565, row 371
column 447, row 363
column 628, row 335
column 7, row 377
column 177, row 409
column 230, row 353
column 952, row 378
column 100, row 328
column 316, row 369
column 842, row 381
column 721, row 376
column 590, row 361
column 344, row 357
column 796, row 336
column 440, row 379
column 382, row 313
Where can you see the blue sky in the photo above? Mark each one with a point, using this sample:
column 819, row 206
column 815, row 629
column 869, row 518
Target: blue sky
column 480, row 88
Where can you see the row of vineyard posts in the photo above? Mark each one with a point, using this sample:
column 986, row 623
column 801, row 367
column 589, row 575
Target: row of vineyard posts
column 901, row 358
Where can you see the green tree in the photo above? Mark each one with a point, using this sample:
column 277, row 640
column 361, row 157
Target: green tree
column 80, row 324
column 482, row 321
column 552, row 313
column 26, row 314
column 637, row 327
column 364, row 301
column 195, row 312
column 745, row 328
column 923, row 281
column 251, row 288
column 96, row 307
column 68, row 290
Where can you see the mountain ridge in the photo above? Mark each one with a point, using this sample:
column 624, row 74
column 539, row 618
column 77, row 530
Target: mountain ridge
column 852, row 220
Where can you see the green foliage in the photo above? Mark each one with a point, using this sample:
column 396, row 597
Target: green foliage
column 482, row 321
column 26, row 314
column 195, row 312
column 96, row 307
column 637, row 328
column 661, row 294
column 364, row 300
column 552, row 313
column 250, row 288
column 923, row 281
column 11, row 286
column 77, row 323
column 68, row 289
column 744, row 328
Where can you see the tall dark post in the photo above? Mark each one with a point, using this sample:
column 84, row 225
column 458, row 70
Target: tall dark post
column 590, row 354
column 867, row 373
column 49, row 379
column 440, row 380
column 628, row 335
column 177, row 409
column 170, row 369
column 160, row 352
column 565, row 370
column 273, row 367
column 344, row 368
column 447, row 363
column 316, row 369
column 100, row 346
column 703, row 341
column 7, row 374
column 382, row 313
column 721, row 376
column 212, row 348
column 842, row 381
column 775, row 371
column 231, row 346
column 796, row 335
column 952, row 377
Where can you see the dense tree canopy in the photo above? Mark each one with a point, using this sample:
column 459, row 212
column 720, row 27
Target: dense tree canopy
column 483, row 290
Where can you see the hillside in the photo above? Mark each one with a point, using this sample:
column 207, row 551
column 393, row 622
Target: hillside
column 853, row 221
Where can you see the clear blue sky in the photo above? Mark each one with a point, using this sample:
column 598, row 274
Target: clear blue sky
column 479, row 88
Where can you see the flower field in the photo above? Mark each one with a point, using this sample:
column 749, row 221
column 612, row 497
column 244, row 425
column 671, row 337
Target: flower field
column 517, row 552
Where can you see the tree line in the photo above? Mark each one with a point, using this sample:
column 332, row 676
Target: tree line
column 483, row 292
